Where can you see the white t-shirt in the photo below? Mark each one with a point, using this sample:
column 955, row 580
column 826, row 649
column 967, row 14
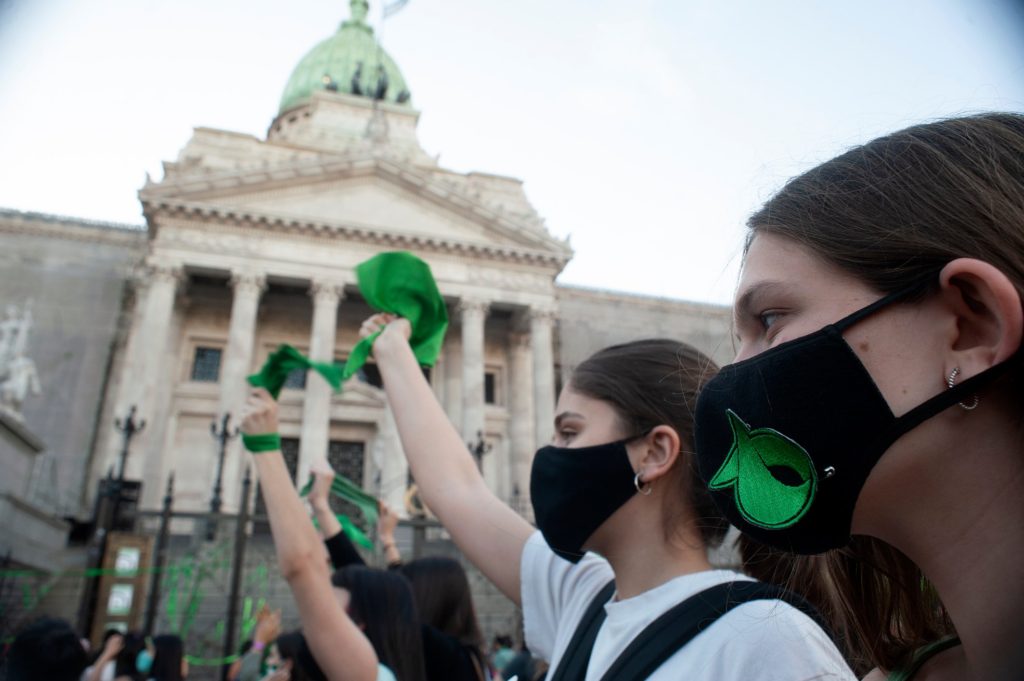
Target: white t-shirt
column 764, row 640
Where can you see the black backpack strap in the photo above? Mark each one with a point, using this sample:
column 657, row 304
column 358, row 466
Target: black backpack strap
column 576, row 659
column 678, row 626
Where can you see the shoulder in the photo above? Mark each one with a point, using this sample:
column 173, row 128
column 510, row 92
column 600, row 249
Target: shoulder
column 384, row 674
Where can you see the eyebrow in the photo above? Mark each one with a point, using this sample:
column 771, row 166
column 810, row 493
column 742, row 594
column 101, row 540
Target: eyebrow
column 565, row 415
column 747, row 304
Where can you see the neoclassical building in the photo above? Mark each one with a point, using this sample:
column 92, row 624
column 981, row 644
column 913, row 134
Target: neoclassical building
column 251, row 242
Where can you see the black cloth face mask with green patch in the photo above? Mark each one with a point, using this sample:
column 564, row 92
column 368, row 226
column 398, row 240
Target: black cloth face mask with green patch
column 785, row 440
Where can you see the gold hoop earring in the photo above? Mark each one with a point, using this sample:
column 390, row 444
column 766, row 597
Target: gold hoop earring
column 645, row 490
column 951, row 381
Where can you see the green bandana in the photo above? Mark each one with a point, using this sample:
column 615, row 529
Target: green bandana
column 349, row 491
column 282, row 362
column 351, row 530
column 402, row 284
column 762, row 499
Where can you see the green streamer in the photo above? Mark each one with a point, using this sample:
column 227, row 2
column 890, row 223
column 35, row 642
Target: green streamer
column 400, row 283
column 282, row 362
column 351, row 531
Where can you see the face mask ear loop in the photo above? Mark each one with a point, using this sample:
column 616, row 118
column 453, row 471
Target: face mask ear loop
column 851, row 319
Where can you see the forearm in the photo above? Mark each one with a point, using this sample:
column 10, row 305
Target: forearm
column 490, row 533
column 329, row 525
column 391, row 554
column 295, row 540
column 340, row 648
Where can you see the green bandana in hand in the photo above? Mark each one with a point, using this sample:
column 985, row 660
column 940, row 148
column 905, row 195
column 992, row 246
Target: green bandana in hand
column 349, row 491
column 402, row 284
column 282, row 362
column 351, row 530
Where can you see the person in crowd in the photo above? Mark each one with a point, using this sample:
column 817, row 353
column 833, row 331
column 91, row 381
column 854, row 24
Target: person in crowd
column 381, row 603
column 522, row 666
column 338, row 645
column 235, row 667
column 450, row 633
column 47, row 649
column 615, row 498
column 106, row 670
column 501, row 652
column 880, row 321
column 169, row 663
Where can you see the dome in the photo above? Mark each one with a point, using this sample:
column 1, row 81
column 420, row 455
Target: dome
column 350, row 61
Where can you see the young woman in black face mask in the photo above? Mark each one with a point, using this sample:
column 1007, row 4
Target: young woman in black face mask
column 880, row 323
column 615, row 497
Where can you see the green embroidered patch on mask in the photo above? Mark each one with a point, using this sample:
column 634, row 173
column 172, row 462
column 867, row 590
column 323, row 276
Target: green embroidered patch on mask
column 761, row 497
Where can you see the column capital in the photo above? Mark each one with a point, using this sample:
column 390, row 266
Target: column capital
column 473, row 305
column 520, row 339
column 248, row 282
column 543, row 314
column 324, row 292
column 163, row 272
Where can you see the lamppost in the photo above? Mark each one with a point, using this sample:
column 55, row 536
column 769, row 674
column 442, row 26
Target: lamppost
column 129, row 428
column 224, row 435
column 479, row 448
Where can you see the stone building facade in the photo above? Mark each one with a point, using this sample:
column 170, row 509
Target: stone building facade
column 252, row 242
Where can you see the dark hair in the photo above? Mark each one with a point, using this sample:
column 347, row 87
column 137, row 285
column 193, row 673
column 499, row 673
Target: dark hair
column 292, row 646
column 125, row 662
column 382, row 602
column 650, row 383
column 444, row 600
column 169, row 651
column 891, row 213
column 47, row 648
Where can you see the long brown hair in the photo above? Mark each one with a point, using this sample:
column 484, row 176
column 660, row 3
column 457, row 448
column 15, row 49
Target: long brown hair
column 650, row 383
column 893, row 212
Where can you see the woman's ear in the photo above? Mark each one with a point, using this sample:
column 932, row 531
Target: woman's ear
column 661, row 449
column 988, row 315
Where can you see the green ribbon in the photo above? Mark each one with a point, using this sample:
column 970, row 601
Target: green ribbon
column 345, row 489
column 282, row 362
column 400, row 283
column 264, row 442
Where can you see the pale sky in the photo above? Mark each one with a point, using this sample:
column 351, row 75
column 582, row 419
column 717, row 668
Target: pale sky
column 648, row 130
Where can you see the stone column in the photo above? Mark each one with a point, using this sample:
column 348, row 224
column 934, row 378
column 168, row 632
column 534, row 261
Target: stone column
column 473, row 313
column 522, row 441
column 541, row 323
column 453, row 381
column 237, row 364
column 144, row 371
column 316, row 408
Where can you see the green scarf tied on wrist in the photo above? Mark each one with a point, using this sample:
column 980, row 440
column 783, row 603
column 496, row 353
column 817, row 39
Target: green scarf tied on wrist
column 400, row 283
column 282, row 362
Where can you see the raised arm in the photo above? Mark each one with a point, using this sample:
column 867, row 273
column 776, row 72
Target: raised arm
column 490, row 533
column 340, row 648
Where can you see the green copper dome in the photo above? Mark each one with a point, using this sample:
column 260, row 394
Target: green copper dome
column 350, row 61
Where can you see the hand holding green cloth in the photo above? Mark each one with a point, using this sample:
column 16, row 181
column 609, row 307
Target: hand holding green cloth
column 282, row 362
column 349, row 491
column 400, row 283
column 352, row 531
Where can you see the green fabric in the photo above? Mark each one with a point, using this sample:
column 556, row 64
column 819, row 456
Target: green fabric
column 345, row 489
column 265, row 442
column 922, row 655
column 400, row 283
column 761, row 498
column 282, row 362
column 351, row 531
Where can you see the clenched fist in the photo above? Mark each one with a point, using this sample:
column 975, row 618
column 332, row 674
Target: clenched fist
column 259, row 416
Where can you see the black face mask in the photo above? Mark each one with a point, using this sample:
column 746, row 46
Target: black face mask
column 785, row 440
column 575, row 490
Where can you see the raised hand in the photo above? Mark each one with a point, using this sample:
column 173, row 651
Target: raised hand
column 259, row 416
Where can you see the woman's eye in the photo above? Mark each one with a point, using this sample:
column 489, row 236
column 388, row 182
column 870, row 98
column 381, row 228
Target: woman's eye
column 566, row 435
column 767, row 319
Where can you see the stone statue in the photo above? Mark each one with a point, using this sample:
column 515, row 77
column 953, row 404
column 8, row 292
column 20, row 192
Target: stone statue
column 21, row 380
column 18, row 375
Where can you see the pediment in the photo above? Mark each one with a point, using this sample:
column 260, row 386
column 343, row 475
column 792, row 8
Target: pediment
column 372, row 194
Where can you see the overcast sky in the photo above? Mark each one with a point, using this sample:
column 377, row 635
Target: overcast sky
column 647, row 129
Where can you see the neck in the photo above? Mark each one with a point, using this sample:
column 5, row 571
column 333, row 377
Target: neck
column 643, row 560
column 965, row 536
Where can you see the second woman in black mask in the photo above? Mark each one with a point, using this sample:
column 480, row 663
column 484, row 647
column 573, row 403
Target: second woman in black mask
column 615, row 495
